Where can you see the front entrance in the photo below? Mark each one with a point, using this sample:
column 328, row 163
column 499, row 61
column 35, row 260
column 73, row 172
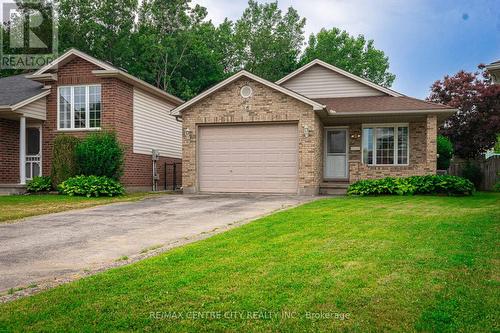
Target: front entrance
column 336, row 153
column 33, row 152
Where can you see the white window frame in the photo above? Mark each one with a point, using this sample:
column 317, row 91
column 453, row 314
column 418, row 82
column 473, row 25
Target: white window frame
column 396, row 143
column 72, row 109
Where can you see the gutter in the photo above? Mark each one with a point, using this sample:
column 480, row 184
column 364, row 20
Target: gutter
column 116, row 73
column 334, row 113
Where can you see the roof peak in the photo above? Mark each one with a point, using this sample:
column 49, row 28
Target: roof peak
column 341, row 72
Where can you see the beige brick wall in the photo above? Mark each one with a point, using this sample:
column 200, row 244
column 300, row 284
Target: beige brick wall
column 423, row 152
column 266, row 105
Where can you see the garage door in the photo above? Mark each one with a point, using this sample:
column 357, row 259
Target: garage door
column 249, row 158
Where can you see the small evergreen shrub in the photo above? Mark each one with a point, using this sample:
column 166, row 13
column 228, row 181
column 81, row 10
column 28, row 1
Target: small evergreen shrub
column 100, row 154
column 91, row 186
column 39, row 184
column 445, row 151
column 473, row 173
column 432, row 184
column 64, row 163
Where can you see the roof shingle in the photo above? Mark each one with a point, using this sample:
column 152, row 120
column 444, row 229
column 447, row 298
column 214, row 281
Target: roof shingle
column 378, row 103
column 17, row 88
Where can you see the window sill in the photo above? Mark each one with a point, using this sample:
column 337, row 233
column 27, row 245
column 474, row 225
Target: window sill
column 78, row 129
column 386, row 165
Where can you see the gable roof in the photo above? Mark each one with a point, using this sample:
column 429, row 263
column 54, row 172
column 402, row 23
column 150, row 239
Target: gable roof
column 107, row 70
column 315, row 105
column 69, row 56
column 318, row 62
column 380, row 104
column 17, row 89
column 493, row 65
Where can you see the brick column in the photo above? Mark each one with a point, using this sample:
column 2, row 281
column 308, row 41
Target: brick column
column 431, row 143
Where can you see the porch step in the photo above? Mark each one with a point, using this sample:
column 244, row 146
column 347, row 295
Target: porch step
column 333, row 188
column 9, row 189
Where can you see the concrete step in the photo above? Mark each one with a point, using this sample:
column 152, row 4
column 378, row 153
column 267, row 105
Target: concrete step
column 333, row 188
column 335, row 184
column 9, row 189
column 332, row 191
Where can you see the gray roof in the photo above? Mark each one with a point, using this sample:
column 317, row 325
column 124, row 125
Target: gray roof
column 17, row 88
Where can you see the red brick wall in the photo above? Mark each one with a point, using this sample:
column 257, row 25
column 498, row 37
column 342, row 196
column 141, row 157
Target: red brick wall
column 9, row 151
column 117, row 106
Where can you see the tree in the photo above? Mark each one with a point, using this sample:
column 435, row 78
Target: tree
column 267, row 42
column 18, row 26
column 177, row 50
column 102, row 28
column 474, row 128
column 352, row 54
column 445, row 152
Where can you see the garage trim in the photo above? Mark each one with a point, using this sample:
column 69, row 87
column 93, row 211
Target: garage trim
column 199, row 127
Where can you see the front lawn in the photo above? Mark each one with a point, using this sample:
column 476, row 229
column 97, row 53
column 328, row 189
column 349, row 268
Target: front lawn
column 14, row 207
column 348, row 264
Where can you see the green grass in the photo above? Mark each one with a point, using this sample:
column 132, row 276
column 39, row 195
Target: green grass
column 13, row 207
column 387, row 263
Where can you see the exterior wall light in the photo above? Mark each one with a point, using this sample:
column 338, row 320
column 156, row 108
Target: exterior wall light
column 306, row 131
column 187, row 134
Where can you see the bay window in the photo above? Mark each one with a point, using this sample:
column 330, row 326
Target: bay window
column 385, row 144
column 79, row 107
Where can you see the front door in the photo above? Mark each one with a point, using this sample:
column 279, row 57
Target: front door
column 336, row 153
column 33, row 152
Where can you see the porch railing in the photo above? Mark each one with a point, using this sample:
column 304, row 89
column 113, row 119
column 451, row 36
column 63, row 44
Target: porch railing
column 33, row 166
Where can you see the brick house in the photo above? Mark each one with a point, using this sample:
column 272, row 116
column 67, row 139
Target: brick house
column 75, row 95
column 314, row 131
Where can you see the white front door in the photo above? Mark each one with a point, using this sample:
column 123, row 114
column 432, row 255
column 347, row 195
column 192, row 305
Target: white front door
column 336, row 153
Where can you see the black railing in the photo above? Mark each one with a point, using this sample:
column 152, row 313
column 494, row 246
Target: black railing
column 172, row 176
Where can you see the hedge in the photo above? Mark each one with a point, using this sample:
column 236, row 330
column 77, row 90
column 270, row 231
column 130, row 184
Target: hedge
column 100, row 154
column 432, row 184
column 91, row 186
column 64, row 164
column 39, row 184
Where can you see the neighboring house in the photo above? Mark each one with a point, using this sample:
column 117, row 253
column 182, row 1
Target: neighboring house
column 316, row 130
column 77, row 94
column 494, row 70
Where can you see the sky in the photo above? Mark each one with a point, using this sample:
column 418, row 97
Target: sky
column 424, row 39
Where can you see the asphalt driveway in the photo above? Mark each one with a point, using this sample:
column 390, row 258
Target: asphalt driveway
column 64, row 244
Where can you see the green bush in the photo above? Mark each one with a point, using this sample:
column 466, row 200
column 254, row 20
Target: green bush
column 39, row 184
column 432, row 184
column 63, row 158
column 100, row 154
column 91, row 186
column 445, row 152
column 473, row 173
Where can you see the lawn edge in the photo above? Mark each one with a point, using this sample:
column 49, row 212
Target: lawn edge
column 146, row 197
column 23, row 291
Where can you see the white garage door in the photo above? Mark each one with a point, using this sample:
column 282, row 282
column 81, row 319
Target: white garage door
column 248, row 158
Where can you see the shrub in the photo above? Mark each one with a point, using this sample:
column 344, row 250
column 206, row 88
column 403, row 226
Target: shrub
column 473, row 173
column 91, row 186
column 39, row 184
column 432, row 184
column 63, row 158
column 445, row 151
column 100, row 154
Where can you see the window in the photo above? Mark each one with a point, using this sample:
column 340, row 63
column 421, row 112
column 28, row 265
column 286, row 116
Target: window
column 385, row 145
column 79, row 107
